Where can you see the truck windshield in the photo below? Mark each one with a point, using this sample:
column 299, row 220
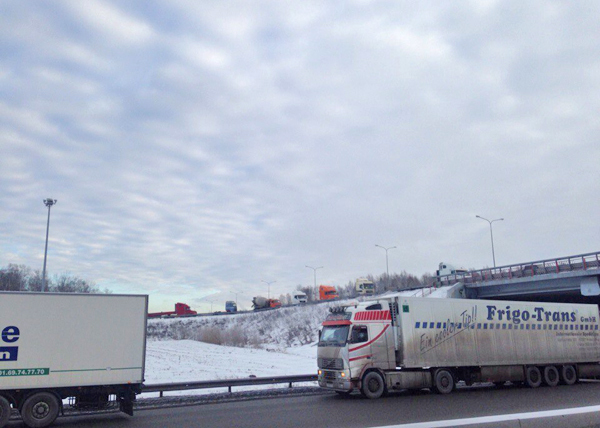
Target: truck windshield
column 334, row 335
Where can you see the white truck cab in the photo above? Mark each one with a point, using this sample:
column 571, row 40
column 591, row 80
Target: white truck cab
column 364, row 287
column 448, row 269
column 299, row 298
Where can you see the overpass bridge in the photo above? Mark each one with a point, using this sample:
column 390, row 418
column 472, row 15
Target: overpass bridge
column 569, row 279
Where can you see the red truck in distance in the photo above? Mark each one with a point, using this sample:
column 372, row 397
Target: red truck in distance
column 181, row 310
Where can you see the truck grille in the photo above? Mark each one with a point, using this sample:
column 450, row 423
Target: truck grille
column 331, row 363
column 330, row 375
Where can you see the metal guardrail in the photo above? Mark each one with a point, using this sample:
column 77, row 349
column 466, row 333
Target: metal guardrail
column 227, row 383
column 581, row 262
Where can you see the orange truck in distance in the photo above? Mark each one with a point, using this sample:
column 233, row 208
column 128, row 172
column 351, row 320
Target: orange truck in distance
column 328, row 292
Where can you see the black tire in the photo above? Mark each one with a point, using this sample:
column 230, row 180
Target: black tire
column 551, row 377
column 373, row 385
column 443, row 381
column 4, row 411
column 568, row 375
column 40, row 410
column 533, row 377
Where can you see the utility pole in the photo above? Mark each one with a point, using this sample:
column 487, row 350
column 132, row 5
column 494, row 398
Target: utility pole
column 48, row 202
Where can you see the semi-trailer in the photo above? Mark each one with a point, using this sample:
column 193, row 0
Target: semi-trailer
column 181, row 310
column 89, row 348
column 397, row 342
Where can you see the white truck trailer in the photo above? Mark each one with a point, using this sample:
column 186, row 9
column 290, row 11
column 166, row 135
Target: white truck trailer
column 399, row 342
column 89, row 348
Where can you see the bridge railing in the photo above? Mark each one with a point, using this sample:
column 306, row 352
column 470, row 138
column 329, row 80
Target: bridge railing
column 559, row 265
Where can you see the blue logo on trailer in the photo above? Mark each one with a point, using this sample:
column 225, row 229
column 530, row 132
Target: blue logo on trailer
column 10, row 334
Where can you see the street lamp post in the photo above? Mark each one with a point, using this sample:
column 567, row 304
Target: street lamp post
column 491, row 234
column 387, row 266
column 315, row 272
column 48, row 202
column 236, row 293
column 269, row 287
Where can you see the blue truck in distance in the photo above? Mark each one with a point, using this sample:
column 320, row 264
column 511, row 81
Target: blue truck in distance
column 230, row 306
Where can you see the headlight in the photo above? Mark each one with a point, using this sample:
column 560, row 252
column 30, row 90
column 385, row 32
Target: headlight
column 342, row 374
column 320, row 372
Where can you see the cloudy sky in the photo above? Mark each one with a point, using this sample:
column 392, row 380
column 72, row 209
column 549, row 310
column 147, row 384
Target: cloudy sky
column 197, row 148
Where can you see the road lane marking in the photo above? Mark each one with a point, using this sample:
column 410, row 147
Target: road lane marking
column 497, row 418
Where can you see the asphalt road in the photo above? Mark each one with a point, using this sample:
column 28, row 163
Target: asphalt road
column 321, row 411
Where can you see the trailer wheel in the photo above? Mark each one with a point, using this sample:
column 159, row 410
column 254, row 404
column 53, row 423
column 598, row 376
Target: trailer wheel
column 568, row 375
column 533, row 377
column 373, row 385
column 4, row 411
column 443, row 382
column 40, row 410
column 551, row 377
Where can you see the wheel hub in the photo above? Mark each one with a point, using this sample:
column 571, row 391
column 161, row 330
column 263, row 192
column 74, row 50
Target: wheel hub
column 40, row 410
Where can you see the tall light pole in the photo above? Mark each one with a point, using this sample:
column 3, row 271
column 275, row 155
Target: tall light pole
column 491, row 234
column 387, row 266
column 269, row 287
column 48, row 202
column 236, row 293
column 315, row 272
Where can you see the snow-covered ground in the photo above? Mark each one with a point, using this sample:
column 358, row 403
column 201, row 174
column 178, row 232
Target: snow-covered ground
column 189, row 360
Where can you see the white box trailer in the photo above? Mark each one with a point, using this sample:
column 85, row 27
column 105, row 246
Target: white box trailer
column 402, row 342
column 53, row 346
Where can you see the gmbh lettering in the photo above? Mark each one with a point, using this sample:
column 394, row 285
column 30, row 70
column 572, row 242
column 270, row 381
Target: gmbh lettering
column 538, row 314
column 428, row 341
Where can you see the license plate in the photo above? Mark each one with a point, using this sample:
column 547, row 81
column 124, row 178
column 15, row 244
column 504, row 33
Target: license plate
column 329, row 385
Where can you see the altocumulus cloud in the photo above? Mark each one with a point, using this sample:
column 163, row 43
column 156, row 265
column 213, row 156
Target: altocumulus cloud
column 196, row 148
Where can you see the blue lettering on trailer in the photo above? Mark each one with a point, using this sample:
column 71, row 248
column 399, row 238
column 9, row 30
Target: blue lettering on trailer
column 10, row 334
column 9, row 353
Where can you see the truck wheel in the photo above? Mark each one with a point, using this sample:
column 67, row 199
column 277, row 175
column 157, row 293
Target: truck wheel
column 533, row 377
column 373, row 385
column 568, row 375
column 4, row 411
column 551, row 376
column 443, row 382
column 40, row 410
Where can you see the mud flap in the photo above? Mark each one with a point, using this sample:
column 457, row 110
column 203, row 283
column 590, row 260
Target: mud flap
column 126, row 402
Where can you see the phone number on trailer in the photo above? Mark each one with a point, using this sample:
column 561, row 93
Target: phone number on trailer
column 24, row 372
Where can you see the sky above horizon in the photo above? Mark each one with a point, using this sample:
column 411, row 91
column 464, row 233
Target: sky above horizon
column 198, row 148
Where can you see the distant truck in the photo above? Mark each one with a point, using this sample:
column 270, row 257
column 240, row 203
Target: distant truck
column 181, row 310
column 299, row 298
column 364, row 287
column 399, row 342
column 328, row 292
column 448, row 269
column 84, row 347
column 259, row 303
column 230, row 306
